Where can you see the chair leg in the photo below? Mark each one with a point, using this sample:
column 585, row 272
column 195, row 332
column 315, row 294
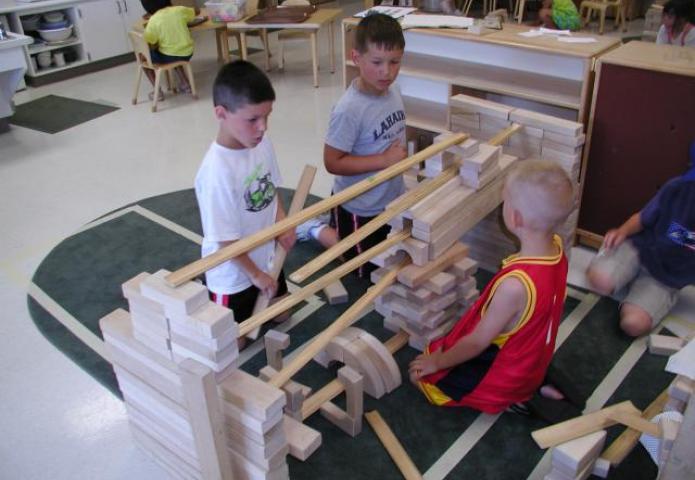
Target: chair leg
column 138, row 79
column 266, row 44
column 281, row 54
column 155, row 96
column 602, row 21
column 189, row 73
column 315, row 58
column 171, row 84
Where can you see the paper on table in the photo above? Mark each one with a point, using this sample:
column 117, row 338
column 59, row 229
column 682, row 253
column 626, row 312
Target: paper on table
column 436, row 21
column 395, row 12
column 551, row 31
column 577, row 39
column 683, row 362
column 531, row 33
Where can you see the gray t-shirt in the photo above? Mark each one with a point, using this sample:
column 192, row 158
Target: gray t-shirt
column 363, row 124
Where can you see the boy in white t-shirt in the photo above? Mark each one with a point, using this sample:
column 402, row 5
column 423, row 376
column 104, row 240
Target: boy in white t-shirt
column 236, row 189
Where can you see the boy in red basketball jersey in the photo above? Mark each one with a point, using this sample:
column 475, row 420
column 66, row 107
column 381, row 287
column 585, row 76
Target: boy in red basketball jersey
column 498, row 352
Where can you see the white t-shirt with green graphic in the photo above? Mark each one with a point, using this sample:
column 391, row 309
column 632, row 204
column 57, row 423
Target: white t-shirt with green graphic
column 236, row 196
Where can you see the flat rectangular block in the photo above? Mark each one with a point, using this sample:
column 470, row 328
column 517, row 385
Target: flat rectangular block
column 182, row 300
column 546, row 122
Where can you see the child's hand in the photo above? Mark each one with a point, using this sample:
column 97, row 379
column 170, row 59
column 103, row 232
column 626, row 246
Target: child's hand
column 265, row 283
column 613, row 238
column 425, row 364
column 395, row 153
column 287, row 239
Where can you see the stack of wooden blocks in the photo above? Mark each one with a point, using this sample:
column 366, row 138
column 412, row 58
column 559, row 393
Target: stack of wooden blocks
column 490, row 241
column 428, row 299
column 189, row 406
column 579, row 458
column 542, row 136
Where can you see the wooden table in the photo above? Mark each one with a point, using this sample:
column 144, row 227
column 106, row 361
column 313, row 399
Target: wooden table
column 312, row 25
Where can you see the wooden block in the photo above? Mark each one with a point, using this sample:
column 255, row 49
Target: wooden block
column 433, row 199
column 209, row 321
column 182, row 300
column 468, row 103
column 177, row 467
column 302, row 440
column 636, row 422
column 143, row 319
column 388, row 259
column 350, row 419
column 218, row 363
column 443, row 302
column 221, row 354
column 416, row 249
column 336, row 293
column 565, row 159
column 440, row 161
column 569, row 140
column 383, row 360
column 580, row 426
column 271, row 443
column 413, row 276
column 559, row 147
column 252, row 395
column 131, row 291
column 377, row 274
column 139, row 360
column 664, row 345
column 681, row 388
column 152, row 340
column 245, row 469
column 393, row 446
column 478, row 180
column 486, row 157
column 573, row 456
column 355, row 355
column 441, row 283
column 464, row 267
column 275, row 342
column 203, row 405
column 669, row 432
column 546, row 122
column 464, row 121
column 601, row 467
column 256, row 429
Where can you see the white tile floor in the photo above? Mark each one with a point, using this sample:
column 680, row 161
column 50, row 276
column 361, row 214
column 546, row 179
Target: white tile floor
column 55, row 420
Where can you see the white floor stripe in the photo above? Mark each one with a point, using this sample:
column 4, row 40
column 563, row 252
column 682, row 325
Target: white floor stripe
column 602, row 393
column 166, row 223
column 460, row 448
column 574, row 293
column 70, row 322
column 104, row 219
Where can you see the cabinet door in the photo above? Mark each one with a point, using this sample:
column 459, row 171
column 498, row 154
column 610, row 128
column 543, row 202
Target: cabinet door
column 132, row 13
column 102, row 29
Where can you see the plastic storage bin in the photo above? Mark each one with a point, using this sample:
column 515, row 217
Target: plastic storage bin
column 226, row 11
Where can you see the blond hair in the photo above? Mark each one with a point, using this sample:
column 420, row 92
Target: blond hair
column 542, row 192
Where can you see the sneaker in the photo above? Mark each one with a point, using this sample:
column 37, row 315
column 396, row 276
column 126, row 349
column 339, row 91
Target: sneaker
column 305, row 230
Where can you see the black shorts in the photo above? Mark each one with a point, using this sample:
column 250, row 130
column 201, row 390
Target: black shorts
column 242, row 303
column 345, row 223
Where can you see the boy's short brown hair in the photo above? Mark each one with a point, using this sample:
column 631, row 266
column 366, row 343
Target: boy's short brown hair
column 542, row 192
column 240, row 83
column 380, row 30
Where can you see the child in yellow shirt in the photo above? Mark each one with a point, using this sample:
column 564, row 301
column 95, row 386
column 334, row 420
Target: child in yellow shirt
column 560, row 15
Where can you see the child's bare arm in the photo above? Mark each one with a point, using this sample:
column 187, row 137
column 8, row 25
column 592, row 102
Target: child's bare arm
column 616, row 236
column 503, row 312
column 338, row 162
column 258, row 277
column 288, row 237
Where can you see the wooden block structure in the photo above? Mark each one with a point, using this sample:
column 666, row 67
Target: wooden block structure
column 190, row 408
column 427, row 300
column 576, row 458
column 664, row 344
column 543, row 136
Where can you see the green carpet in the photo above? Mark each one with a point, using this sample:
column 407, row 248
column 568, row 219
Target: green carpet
column 53, row 113
column 83, row 274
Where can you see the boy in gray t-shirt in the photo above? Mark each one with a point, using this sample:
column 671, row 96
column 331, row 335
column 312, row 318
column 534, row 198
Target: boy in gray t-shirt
column 366, row 134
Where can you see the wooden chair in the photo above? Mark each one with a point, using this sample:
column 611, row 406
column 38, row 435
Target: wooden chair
column 144, row 60
column 298, row 34
column 600, row 6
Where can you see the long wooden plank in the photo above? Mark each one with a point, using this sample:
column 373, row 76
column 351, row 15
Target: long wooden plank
column 393, row 446
column 298, row 200
column 580, row 426
column 200, row 389
column 345, row 320
column 400, row 205
column 626, row 441
column 291, row 300
column 252, row 241
column 637, row 422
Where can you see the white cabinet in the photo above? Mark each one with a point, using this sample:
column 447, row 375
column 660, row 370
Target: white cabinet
column 105, row 25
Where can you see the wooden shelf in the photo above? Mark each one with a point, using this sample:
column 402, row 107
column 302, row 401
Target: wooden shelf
column 527, row 85
column 47, row 70
column 426, row 115
column 34, row 49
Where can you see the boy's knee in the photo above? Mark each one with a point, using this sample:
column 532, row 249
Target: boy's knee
column 634, row 321
column 600, row 281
